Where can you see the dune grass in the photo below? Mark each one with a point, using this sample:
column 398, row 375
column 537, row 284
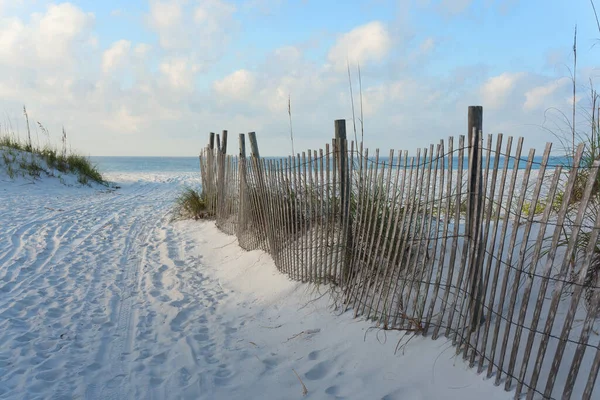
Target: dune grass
column 21, row 158
column 191, row 204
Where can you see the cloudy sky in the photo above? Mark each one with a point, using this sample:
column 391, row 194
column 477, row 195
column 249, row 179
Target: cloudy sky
column 154, row 77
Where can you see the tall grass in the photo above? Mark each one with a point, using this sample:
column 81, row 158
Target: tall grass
column 191, row 205
column 20, row 157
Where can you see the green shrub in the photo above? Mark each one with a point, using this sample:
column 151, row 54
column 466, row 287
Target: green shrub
column 191, row 205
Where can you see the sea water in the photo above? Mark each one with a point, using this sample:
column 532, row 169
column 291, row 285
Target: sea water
column 192, row 164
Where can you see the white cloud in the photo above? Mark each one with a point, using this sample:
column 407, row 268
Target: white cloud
column 115, row 55
column 142, row 49
column 496, row 90
column 370, row 42
column 239, row 85
column 49, row 38
column 202, row 25
column 538, row 96
column 165, row 14
column 123, row 121
column 58, row 29
column 180, row 73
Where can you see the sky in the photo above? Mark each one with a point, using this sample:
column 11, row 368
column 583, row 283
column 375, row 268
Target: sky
column 154, row 77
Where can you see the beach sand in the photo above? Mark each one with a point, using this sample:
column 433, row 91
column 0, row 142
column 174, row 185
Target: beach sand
column 102, row 296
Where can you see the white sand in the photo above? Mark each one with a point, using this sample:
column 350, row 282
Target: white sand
column 102, row 297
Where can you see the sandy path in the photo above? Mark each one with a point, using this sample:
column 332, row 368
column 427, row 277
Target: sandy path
column 82, row 275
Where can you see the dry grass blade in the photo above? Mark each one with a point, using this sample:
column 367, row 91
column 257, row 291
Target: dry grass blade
column 304, row 389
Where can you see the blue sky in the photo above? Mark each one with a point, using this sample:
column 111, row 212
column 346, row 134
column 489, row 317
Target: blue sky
column 153, row 77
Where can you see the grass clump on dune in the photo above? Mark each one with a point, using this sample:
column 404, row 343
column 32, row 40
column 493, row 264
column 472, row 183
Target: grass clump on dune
column 191, row 204
column 21, row 158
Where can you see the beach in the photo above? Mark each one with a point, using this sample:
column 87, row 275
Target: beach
column 103, row 295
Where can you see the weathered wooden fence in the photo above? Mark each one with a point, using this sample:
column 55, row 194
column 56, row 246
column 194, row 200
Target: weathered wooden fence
column 476, row 242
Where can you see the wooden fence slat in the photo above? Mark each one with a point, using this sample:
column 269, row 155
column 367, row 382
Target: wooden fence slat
column 296, row 221
column 492, row 245
column 360, row 219
column 522, row 251
column 421, row 238
column 454, row 250
column 556, row 295
column 393, row 251
column 311, row 218
column 446, row 224
column 503, row 235
column 305, row 220
column 383, row 202
column 520, row 268
column 336, row 221
column 486, row 204
column 429, row 262
column 401, row 306
column 579, row 284
column 546, row 274
column 469, row 265
column 387, row 244
column 358, row 253
column 329, row 218
column 365, row 267
column 322, row 221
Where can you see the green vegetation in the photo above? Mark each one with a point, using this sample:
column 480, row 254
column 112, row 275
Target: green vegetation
column 191, row 204
column 21, row 158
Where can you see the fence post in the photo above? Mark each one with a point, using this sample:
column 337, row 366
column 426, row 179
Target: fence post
column 345, row 185
column 475, row 212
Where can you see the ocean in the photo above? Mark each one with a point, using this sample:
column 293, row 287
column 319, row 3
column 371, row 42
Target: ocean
column 191, row 164
column 146, row 164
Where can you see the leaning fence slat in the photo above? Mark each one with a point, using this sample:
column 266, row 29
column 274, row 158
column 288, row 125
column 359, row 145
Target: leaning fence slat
column 507, row 207
column 296, row 217
column 576, row 295
column 365, row 268
column 454, row 251
column 374, row 253
column 329, row 219
column 424, row 200
column 383, row 254
column 395, row 241
column 305, row 219
column 492, row 244
column 557, row 293
column 362, row 234
column 509, row 265
column 483, row 234
column 445, row 220
column 590, row 318
column 429, row 263
column 519, row 269
column 546, row 274
column 418, row 237
column 322, row 221
column 311, row 218
column 411, row 232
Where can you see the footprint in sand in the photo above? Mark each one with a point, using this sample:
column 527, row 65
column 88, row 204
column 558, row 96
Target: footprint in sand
column 319, row 371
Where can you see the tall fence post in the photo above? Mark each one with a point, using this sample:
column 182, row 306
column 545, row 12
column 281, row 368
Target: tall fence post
column 475, row 213
column 345, row 186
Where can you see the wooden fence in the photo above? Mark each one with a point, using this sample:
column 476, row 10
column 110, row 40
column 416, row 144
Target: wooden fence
column 494, row 250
